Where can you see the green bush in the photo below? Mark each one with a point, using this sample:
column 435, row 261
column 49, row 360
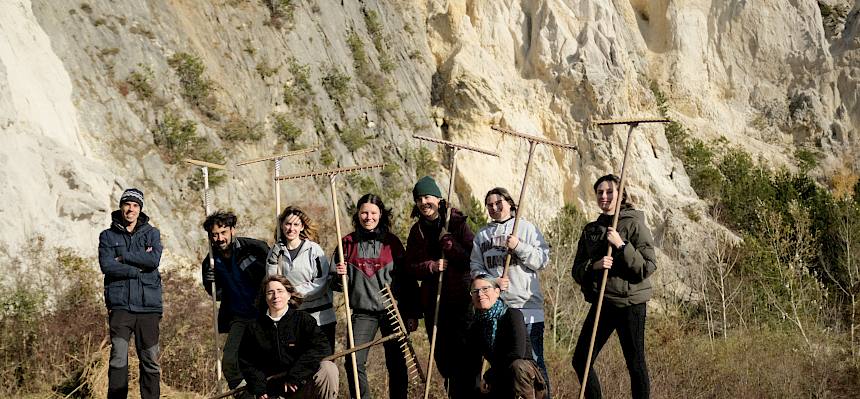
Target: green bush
column 362, row 183
column 425, row 164
column 281, row 13
column 238, row 129
column 353, row 137
column 196, row 89
column 177, row 139
column 300, row 91
column 284, row 128
column 477, row 214
column 336, row 84
column 141, row 82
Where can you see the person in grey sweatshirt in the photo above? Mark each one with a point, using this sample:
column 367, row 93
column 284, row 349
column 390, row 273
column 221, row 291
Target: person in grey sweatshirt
column 298, row 257
column 529, row 254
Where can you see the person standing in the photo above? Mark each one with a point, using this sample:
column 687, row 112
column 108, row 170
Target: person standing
column 129, row 256
column 298, row 257
column 529, row 254
column 282, row 351
column 628, row 287
column 374, row 258
column 430, row 239
column 240, row 266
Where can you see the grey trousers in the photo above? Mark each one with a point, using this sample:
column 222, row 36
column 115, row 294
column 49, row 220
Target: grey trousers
column 145, row 328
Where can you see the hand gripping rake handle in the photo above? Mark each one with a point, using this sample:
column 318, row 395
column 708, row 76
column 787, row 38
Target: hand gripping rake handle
column 632, row 123
column 533, row 142
column 332, row 174
column 413, row 367
column 454, row 148
column 277, row 173
column 204, row 167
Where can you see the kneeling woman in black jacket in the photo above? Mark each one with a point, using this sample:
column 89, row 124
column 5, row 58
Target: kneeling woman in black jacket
column 286, row 339
column 499, row 335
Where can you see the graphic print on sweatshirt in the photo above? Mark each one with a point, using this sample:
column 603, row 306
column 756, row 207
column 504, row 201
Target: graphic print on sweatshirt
column 374, row 258
column 495, row 250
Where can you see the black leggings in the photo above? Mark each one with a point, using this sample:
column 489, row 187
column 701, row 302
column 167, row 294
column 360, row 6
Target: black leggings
column 629, row 321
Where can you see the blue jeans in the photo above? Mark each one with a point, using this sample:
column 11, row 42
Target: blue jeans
column 535, row 331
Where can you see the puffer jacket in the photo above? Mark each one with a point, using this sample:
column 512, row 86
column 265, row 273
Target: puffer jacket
column 134, row 284
column 627, row 283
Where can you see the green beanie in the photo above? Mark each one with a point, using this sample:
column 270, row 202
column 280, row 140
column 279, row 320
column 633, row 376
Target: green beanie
column 426, row 186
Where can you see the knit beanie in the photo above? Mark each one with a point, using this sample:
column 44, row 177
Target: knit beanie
column 426, row 186
column 132, row 195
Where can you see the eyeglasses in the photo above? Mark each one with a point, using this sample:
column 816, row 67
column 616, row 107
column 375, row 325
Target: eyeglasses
column 482, row 290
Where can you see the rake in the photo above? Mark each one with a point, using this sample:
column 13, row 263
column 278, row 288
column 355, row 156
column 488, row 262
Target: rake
column 632, row 123
column 412, row 366
column 204, row 167
column 533, row 142
column 454, row 148
column 332, row 175
column 277, row 173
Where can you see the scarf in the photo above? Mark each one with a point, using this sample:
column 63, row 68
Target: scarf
column 489, row 320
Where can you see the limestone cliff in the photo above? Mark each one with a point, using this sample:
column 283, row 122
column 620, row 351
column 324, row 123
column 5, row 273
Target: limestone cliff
column 770, row 76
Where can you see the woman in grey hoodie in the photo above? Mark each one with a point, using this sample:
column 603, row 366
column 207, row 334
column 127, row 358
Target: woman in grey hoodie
column 529, row 254
column 301, row 260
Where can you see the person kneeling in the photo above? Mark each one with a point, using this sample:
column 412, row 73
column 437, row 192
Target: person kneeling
column 499, row 335
column 282, row 351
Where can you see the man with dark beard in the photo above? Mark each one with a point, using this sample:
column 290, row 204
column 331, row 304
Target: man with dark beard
column 240, row 266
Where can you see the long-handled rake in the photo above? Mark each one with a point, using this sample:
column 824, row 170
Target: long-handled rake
column 533, row 142
column 412, row 366
column 204, row 167
column 399, row 334
column 632, row 123
column 454, row 148
column 332, row 175
column 277, row 173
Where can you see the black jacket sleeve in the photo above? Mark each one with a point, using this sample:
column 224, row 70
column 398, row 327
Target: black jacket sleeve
column 307, row 364
column 254, row 376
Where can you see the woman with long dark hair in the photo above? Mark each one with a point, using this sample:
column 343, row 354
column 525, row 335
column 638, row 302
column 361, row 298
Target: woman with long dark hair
column 374, row 258
column 298, row 257
column 627, row 286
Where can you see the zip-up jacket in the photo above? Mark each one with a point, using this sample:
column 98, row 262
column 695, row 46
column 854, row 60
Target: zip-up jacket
column 294, row 344
column 424, row 247
column 309, row 272
column 237, row 280
column 512, row 343
column 374, row 259
column 530, row 256
column 133, row 284
column 627, row 282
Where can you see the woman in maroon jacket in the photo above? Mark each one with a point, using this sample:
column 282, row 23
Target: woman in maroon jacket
column 428, row 241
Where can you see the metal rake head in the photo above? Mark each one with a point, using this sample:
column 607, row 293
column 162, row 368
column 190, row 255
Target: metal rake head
column 396, row 321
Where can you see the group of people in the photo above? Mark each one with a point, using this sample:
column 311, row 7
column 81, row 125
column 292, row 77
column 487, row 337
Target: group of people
column 277, row 302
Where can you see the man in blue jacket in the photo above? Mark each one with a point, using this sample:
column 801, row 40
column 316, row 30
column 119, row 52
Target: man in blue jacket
column 129, row 255
column 240, row 266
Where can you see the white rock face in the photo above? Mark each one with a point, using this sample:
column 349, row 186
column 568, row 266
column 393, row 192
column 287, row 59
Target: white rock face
column 764, row 75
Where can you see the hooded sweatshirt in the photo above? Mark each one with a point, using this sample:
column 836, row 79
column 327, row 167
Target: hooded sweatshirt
column 309, row 274
column 134, row 283
column 530, row 256
column 627, row 283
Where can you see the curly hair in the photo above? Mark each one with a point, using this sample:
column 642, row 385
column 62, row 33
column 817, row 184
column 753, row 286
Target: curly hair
column 220, row 218
column 310, row 229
